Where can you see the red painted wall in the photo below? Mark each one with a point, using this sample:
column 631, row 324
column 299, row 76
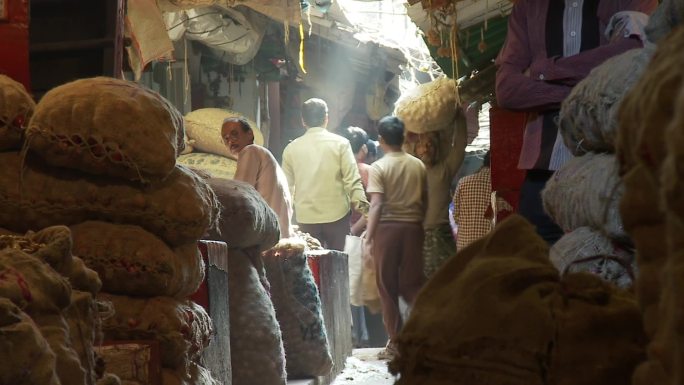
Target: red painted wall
column 14, row 41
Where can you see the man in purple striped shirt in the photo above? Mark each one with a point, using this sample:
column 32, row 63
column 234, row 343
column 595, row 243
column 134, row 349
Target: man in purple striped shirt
column 551, row 45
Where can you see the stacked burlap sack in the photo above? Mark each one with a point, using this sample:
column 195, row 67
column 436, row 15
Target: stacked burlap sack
column 42, row 278
column 583, row 196
column 650, row 154
column 500, row 314
column 16, row 108
column 100, row 156
column 205, row 148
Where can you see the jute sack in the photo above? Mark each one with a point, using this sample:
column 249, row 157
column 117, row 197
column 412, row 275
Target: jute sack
column 667, row 16
column 588, row 116
column 180, row 209
column 31, row 284
column 256, row 345
column 204, row 127
column 429, row 107
column 53, row 246
column 646, row 112
column 298, row 309
column 182, row 328
column 471, row 322
column 16, row 108
column 107, row 126
column 586, row 191
column 246, row 220
column 197, row 375
column 25, row 353
column 216, row 165
column 131, row 261
column 68, row 365
column 587, row 250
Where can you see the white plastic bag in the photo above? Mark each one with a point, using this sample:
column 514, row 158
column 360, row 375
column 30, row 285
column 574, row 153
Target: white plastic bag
column 353, row 247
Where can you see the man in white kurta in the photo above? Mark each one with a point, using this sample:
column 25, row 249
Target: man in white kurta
column 257, row 166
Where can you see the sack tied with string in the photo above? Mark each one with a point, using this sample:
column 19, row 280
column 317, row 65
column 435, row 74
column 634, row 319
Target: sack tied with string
column 182, row 328
column 107, row 126
column 132, row 261
column 179, row 209
column 16, row 109
column 586, row 191
column 83, row 319
column 588, row 116
column 298, row 309
column 256, row 343
column 587, row 250
column 25, row 352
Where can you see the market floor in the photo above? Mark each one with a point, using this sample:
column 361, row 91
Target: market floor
column 364, row 368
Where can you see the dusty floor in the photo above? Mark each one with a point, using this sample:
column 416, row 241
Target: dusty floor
column 364, row 368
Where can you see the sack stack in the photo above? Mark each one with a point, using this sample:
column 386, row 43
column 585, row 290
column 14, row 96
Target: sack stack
column 583, row 196
column 100, row 157
column 649, row 150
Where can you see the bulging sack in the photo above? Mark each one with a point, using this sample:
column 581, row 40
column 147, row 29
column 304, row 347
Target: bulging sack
column 204, row 128
column 429, row 107
column 215, row 165
column 16, row 109
column 182, row 328
column 107, row 126
column 588, row 116
column 246, row 220
column 131, row 261
column 179, row 209
column 586, row 191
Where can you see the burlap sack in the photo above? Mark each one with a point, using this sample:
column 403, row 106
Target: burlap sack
column 84, row 330
column 31, row 284
column 107, row 126
column 26, row 355
column 109, row 379
column 588, row 116
column 298, row 309
column 471, row 322
column 587, row 250
column 204, row 127
column 667, row 16
column 586, row 191
column 599, row 336
column 429, row 107
column 182, row 328
column 16, row 108
column 246, row 219
column 131, row 261
column 215, row 165
column 256, row 345
column 68, row 365
column 647, row 111
column 198, row 375
column 53, row 245
column 180, row 209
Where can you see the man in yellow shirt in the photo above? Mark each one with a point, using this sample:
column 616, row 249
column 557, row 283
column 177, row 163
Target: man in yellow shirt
column 323, row 177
